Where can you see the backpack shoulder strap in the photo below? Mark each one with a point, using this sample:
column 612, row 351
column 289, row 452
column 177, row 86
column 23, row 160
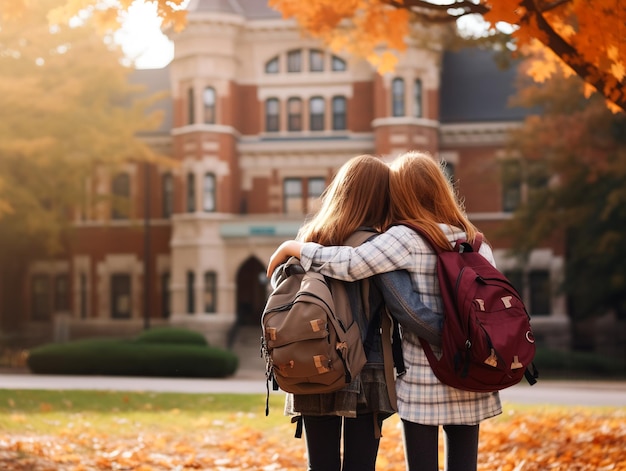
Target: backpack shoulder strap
column 478, row 240
column 360, row 236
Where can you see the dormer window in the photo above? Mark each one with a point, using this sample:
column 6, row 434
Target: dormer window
column 316, row 60
column 271, row 66
column 294, row 61
column 338, row 64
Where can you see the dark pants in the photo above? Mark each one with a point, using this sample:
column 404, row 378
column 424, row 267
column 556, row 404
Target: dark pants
column 323, row 438
column 421, row 447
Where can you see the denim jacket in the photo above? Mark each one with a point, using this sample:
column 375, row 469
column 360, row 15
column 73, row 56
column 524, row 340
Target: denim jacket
column 406, row 306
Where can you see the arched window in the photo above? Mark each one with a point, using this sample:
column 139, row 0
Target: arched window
column 120, row 191
column 272, row 115
column 190, row 106
column 209, row 100
column 208, row 193
column 418, row 108
column 338, row 64
column 294, row 61
column 316, row 114
column 167, row 188
column 316, row 60
column 397, row 97
column 191, row 192
column 339, row 113
column 294, row 114
column 272, row 66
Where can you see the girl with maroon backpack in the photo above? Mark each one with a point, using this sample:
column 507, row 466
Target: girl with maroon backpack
column 421, row 195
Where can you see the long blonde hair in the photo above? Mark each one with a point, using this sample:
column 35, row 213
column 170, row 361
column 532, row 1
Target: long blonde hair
column 423, row 195
column 357, row 196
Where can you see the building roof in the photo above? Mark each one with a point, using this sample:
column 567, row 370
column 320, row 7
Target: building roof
column 475, row 89
column 250, row 9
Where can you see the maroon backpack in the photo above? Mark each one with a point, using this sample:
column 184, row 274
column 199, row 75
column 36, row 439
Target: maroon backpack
column 487, row 341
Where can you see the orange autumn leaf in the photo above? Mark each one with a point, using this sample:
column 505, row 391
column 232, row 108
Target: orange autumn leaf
column 535, row 440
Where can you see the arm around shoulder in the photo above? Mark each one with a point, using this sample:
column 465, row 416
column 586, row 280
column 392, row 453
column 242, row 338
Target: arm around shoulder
column 289, row 248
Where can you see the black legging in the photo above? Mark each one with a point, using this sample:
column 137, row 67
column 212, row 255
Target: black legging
column 323, row 437
column 422, row 451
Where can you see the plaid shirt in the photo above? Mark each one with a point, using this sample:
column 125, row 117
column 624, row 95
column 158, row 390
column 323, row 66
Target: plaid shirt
column 422, row 398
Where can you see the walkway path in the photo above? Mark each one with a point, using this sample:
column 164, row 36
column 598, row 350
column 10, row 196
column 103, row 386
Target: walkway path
column 584, row 393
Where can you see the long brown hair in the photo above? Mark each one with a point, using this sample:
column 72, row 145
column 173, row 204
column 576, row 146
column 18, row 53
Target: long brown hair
column 423, row 195
column 357, row 196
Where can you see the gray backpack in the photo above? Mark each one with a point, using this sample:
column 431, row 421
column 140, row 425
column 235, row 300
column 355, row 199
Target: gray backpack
column 311, row 343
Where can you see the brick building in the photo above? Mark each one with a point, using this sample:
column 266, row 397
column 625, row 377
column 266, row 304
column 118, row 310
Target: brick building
column 258, row 119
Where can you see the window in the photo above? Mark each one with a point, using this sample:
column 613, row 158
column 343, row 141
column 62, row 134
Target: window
column 295, row 188
column 191, row 193
column 316, row 187
column 292, row 199
column 120, row 296
column 272, row 66
column 316, row 110
column 338, row 64
column 417, row 99
column 316, row 60
column 511, row 185
column 272, row 114
column 210, row 292
column 294, row 114
column 208, row 193
column 165, row 295
column 190, row 107
column 397, row 97
column 120, row 190
column 83, row 296
column 167, row 186
column 539, row 284
column 339, row 113
column 191, row 296
column 61, row 293
column 294, row 61
column 209, row 105
column 41, row 297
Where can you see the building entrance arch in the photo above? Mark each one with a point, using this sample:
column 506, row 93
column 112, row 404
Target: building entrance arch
column 251, row 292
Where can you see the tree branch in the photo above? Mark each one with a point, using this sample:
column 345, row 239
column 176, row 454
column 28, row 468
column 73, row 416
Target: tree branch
column 588, row 71
column 439, row 12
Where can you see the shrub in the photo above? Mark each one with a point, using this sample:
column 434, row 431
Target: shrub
column 557, row 363
column 172, row 335
column 132, row 358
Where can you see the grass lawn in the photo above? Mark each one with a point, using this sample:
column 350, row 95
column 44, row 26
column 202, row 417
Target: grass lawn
column 96, row 430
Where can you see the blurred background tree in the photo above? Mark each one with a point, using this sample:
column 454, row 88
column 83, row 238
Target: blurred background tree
column 573, row 168
column 66, row 110
column 576, row 37
column 584, row 38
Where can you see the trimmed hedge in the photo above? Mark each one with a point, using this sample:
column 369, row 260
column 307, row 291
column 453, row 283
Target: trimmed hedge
column 172, row 335
column 575, row 364
column 132, row 358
